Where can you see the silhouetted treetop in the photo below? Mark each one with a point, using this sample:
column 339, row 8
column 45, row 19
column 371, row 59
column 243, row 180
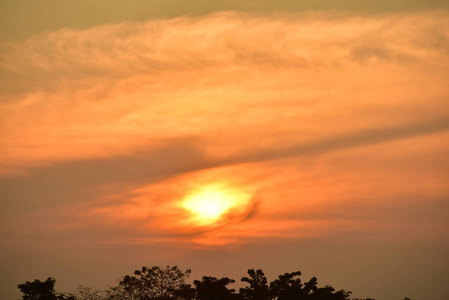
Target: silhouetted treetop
column 41, row 290
column 212, row 288
column 169, row 284
column 258, row 286
column 154, row 283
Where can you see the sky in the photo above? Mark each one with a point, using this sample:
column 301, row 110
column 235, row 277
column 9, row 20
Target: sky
column 222, row 136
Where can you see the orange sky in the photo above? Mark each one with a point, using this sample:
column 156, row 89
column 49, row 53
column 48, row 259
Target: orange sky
column 331, row 131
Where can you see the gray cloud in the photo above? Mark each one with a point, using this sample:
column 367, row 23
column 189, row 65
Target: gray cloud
column 66, row 183
column 353, row 139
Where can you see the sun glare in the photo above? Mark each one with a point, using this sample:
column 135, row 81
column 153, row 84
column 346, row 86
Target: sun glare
column 210, row 204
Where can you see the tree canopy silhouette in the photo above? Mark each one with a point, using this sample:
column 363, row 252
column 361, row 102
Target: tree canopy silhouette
column 42, row 290
column 169, row 284
column 214, row 288
column 155, row 283
column 258, row 286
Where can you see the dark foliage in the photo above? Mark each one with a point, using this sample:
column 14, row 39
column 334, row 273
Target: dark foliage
column 156, row 284
column 169, row 284
column 42, row 290
column 258, row 286
column 212, row 288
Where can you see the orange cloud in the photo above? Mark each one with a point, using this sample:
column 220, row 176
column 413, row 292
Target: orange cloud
column 301, row 112
column 70, row 95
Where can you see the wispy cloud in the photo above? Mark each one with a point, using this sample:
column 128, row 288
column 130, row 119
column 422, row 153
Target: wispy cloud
column 112, row 126
column 114, row 89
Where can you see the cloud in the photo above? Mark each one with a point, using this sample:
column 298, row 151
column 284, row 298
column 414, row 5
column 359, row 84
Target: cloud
column 111, row 126
column 113, row 89
column 69, row 182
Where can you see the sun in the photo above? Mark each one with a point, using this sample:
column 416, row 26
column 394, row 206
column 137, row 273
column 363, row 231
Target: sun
column 208, row 205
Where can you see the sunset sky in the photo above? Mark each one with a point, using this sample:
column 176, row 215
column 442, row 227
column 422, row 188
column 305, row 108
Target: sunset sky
column 221, row 136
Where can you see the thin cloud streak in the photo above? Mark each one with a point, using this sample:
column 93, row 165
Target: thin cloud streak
column 357, row 139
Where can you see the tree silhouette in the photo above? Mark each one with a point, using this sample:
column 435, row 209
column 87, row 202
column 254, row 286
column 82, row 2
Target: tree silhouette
column 211, row 288
column 289, row 287
column 185, row 292
column 41, row 290
column 258, row 286
column 89, row 293
column 169, row 284
column 154, row 283
column 329, row 293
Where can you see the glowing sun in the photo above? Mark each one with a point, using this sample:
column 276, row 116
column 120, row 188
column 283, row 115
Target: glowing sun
column 208, row 205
